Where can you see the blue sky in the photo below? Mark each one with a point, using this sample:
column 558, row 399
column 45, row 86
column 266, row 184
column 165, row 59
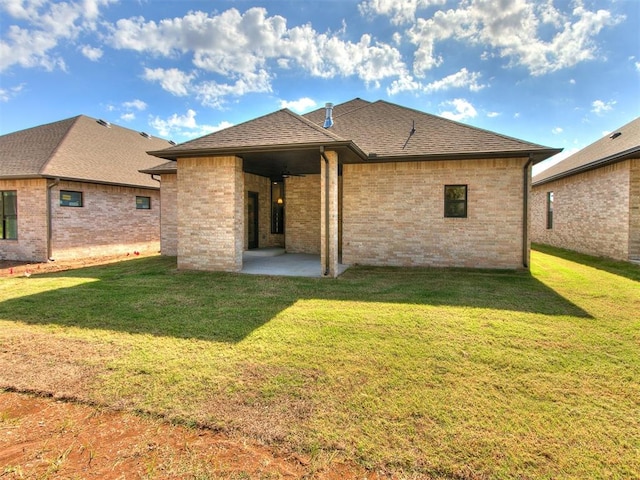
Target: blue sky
column 560, row 73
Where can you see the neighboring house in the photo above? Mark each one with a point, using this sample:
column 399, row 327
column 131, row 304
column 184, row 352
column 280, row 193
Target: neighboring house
column 590, row 202
column 366, row 183
column 72, row 189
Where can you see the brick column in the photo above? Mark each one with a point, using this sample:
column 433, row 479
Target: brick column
column 329, row 214
column 210, row 213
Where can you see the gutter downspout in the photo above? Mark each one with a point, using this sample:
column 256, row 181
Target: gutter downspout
column 50, row 186
column 525, row 212
column 326, row 213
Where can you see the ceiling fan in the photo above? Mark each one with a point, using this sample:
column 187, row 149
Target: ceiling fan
column 286, row 173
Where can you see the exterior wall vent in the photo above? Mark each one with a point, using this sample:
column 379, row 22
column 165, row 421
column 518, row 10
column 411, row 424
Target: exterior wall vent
column 104, row 123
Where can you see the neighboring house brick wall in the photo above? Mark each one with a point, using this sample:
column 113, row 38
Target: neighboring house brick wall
column 634, row 210
column 211, row 222
column 393, row 214
column 107, row 224
column 261, row 185
column 302, row 214
column 31, row 245
column 169, row 214
column 590, row 212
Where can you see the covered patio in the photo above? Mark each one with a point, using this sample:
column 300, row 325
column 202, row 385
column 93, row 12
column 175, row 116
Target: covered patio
column 274, row 261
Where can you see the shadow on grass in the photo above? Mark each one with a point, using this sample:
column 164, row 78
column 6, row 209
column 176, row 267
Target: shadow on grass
column 616, row 267
column 149, row 296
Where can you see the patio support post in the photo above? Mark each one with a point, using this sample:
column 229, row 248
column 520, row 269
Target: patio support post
column 329, row 209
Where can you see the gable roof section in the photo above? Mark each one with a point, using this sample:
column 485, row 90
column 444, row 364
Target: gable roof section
column 365, row 131
column 80, row 149
column 607, row 150
column 281, row 130
column 384, row 130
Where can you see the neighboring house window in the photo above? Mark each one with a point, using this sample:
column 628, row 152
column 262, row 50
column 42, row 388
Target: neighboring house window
column 277, row 207
column 70, row 199
column 549, row 210
column 9, row 214
column 455, row 201
column 143, row 203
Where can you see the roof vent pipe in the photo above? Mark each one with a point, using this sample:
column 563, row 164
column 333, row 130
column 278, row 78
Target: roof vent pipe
column 328, row 119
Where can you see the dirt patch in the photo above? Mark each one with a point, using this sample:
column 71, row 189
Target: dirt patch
column 48, row 438
column 10, row 268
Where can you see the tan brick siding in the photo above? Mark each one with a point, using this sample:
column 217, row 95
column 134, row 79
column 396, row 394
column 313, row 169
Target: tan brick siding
column 393, row 214
column 107, row 224
column 591, row 212
column 169, row 214
column 31, row 245
column 211, row 220
column 634, row 210
column 261, row 185
column 302, row 214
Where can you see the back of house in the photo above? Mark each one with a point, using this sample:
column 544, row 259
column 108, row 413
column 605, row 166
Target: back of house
column 590, row 201
column 72, row 189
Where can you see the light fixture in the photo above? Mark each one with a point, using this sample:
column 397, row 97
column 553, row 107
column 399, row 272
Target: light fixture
column 279, row 201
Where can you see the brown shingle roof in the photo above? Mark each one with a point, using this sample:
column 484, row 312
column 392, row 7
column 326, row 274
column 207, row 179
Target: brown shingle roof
column 79, row 148
column 610, row 149
column 380, row 129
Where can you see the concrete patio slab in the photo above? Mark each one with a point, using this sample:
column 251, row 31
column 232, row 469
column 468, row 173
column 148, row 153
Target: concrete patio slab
column 288, row 264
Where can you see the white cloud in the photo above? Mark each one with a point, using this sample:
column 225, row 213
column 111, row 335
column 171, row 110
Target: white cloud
column 184, row 126
column 128, row 117
column 493, row 114
column 135, row 105
column 512, row 30
column 638, row 66
column 460, row 79
column 557, row 130
column 235, row 52
column 7, row 94
column 46, row 24
column 93, row 54
column 300, row 105
column 400, row 11
column 463, row 110
column 599, row 107
column 172, row 80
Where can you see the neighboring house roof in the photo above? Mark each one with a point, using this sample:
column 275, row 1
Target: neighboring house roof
column 621, row 144
column 362, row 131
column 82, row 149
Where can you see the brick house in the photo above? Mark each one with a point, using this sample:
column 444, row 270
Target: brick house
column 590, row 202
column 72, row 189
column 366, row 182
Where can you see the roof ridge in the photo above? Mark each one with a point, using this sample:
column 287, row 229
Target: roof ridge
column 466, row 125
column 317, row 128
column 56, row 149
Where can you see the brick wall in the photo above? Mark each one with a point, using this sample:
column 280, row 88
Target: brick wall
column 261, row 185
column 169, row 214
column 211, row 220
column 634, row 210
column 302, row 214
column 31, row 245
column 591, row 212
column 107, row 224
column 393, row 214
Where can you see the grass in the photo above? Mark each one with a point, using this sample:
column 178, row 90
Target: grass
column 445, row 373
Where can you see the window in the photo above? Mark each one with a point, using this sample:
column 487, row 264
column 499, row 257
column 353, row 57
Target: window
column 9, row 215
column 549, row 210
column 70, row 199
column 455, row 201
column 143, row 203
column 277, row 207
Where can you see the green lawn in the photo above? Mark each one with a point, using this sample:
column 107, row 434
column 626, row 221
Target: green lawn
column 446, row 373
